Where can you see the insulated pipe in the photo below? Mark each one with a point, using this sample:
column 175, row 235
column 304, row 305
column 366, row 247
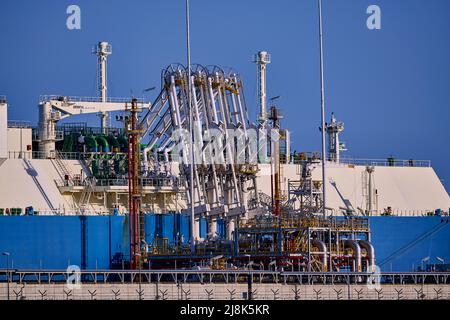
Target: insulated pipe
column 101, row 141
column 230, row 228
column 122, row 140
column 91, row 143
column 323, row 251
column 174, row 102
column 213, row 101
column 163, row 149
column 145, row 153
column 113, row 143
column 209, row 146
column 353, row 244
column 167, row 151
column 145, row 159
column 235, row 109
column 155, row 156
column 230, row 154
column 212, row 226
column 197, row 124
column 239, row 103
column 370, row 254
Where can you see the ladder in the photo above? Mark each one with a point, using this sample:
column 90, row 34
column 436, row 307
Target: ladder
column 142, row 245
column 300, row 241
column 265, row 199
column 63, row 171
column 87, row 192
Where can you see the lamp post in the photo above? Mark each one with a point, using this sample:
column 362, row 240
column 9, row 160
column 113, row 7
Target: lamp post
column 249, row 279
column 249, row 257
column 7, row 254
column 139, row 264
column 424, row 260
column 322, row 126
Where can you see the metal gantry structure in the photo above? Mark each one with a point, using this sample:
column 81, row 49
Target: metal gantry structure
column 136, row 216
column 224, row 181
column 225, row 172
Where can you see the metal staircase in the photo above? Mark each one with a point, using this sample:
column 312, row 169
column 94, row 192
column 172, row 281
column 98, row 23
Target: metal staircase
column 301, row 241
column 87, row 192
column 265, row 199
column 63, row 171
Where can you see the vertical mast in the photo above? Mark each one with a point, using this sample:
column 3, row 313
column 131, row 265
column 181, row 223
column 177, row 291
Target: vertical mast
column 103, row 50
column 136, row 218
column 262, row 59
column 191, row 147
column 322, row 91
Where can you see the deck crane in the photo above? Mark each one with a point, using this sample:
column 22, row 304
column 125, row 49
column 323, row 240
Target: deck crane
column 55, row 108
column 348, row 205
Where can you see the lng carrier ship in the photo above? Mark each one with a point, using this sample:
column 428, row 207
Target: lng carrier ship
column 191, row 181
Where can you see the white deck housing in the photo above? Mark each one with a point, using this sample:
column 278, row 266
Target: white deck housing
column 409, row 191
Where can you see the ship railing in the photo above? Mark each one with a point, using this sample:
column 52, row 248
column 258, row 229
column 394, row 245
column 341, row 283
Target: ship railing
column 45, row 98
column 412, row 213
column 82, row 128
column 354, row 223
column 20, row 155
column 64, row 155
column 176, row 276
column 19, row 124
column 388, row 162
column 123, row 182
column 146, row 182
column 43, row 155
column 385, row 162
column 64, row 212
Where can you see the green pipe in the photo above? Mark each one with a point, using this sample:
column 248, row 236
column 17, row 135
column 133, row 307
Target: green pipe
column 91, row 143
column 95, row 168
column 113, row 142
column 123, row 141
column 101, row 140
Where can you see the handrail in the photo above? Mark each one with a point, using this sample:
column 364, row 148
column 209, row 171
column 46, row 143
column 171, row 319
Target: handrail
column 123, row 182
column 386, row 162
column 18, row 123
column 171, row 276
column 374, row 162
column 63, row 155
column 44, row 98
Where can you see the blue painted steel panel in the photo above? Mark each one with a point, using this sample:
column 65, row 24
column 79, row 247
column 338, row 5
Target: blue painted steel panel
column 402, row 242
column 203, row 228
column 55, row 242
column 40, row 242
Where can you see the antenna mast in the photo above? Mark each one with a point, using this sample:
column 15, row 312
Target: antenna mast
column 322, row 91
column 191, row 127
column 262, row 59
column 102, row 51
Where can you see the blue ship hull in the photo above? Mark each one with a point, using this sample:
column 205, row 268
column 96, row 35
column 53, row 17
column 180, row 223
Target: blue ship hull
column 53, row 242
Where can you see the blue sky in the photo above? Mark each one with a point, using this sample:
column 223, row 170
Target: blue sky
column 389, row 86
